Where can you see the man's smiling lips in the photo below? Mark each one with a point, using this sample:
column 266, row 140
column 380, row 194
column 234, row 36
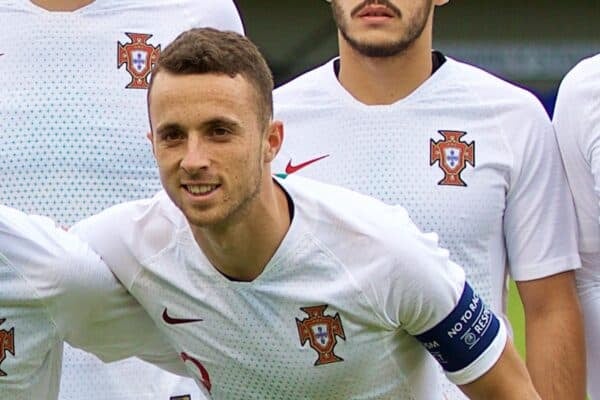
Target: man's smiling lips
column 200, row 189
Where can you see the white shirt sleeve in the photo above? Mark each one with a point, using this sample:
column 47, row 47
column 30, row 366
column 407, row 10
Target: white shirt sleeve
column 424, row 293
column 89, row 307
column 539, row 219
column 577, row 123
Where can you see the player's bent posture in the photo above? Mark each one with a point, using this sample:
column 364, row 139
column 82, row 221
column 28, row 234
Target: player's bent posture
column 73, row 79
column 54, row 288
column 472, row 158
column 577, row 123
column 286, row 289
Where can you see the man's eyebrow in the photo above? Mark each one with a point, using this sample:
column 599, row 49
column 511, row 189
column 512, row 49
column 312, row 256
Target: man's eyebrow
column 168, row 127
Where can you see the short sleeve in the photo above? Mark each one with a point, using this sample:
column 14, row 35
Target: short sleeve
column 577, row 123
column 87, row 305
column 426, row 295
column 539, row 218
column 109, row 322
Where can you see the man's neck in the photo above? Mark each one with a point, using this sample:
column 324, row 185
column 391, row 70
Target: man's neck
column 242, row 249
column 62, row 5
column 384, row 80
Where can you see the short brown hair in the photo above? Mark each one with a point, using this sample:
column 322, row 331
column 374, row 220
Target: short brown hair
column 208, row 50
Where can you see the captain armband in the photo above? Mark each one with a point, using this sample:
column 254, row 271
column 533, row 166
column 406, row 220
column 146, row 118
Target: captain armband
column 464, row 335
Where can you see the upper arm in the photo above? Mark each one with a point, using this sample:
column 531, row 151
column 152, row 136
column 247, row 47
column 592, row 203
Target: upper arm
column 105, row 320
column 433, row 303
column 537, row 302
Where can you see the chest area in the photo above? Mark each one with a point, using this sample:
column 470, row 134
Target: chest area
column 439, row 168
column 300, row 338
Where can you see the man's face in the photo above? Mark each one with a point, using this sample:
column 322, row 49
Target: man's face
column 208, row 143
column 381, row 28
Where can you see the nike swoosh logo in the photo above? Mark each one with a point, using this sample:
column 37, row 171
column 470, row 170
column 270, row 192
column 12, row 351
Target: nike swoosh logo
column 290, row 169
column 176, row 321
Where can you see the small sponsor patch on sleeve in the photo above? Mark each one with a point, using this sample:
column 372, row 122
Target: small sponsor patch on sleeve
column 464, row 335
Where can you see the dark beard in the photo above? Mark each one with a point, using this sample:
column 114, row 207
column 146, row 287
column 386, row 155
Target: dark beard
column 390, row 49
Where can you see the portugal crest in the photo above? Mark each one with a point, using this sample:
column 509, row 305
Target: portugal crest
column 452, row 154
column 7, row 344
column 139, row 57
column 321, row 332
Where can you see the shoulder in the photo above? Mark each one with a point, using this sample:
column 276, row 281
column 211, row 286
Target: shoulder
column 30, row 239
column 491, row 89
column 128, row 233
column 56, row 264
column 343, row 219
column 219, row 14
column 580, row 77
column 305, row 87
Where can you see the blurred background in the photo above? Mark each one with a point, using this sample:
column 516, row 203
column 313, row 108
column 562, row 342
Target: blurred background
column 532, row 43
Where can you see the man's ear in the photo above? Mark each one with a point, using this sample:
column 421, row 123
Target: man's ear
column 273, row 140
column 441, row 2
column 150, row 137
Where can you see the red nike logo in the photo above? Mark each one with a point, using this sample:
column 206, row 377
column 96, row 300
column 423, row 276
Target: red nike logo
column 290, row 169
column 175, row 321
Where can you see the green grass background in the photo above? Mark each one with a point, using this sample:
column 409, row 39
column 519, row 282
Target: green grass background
column 515, row 315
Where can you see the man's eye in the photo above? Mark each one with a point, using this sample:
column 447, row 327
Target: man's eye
column 220, row 132
column 169, row 136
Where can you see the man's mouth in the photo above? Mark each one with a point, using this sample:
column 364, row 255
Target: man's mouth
column 200, row 189
column 375, row 11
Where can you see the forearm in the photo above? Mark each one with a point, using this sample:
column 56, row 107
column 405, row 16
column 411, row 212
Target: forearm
column 506, row 380
column 554, row 336
column 556, row 353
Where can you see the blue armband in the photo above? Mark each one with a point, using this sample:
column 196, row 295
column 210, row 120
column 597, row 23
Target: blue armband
column 464, row 335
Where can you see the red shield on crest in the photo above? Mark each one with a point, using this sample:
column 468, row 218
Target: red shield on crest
column 452, row 154
column 139, row 58
column 7, row 344
column 321, row 331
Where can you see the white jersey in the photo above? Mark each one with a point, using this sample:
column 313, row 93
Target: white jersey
column 73, row 125
column 54, row 288
column 332, row 316
column 470, row 157
column 577, row 123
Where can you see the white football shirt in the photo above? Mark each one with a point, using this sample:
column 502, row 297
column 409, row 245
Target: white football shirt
column 73, row 122
column 54, row 288
column 469, row 156
column 332, row 316
column 577, row 123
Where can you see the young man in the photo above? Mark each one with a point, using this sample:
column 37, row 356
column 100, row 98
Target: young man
column 286, row 289
column 73, row 78
column 54, row 288
column 470, row 156
column 577, row 123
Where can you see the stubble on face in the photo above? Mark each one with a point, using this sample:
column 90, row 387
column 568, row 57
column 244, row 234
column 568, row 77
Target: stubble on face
column 394, row 46
column 236, row 163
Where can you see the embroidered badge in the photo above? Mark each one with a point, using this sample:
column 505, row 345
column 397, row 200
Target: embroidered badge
column 320, row 331
column 139, row 57
column 7, row 344
column 452, row 155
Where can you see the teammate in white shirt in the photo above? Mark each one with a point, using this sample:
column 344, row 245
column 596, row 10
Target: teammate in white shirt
column 54, row 288
column 73, row 78
column 577, row 124
column 470, row 156
column 286, row 289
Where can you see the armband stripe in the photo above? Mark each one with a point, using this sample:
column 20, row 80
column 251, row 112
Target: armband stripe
column 465, row 334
